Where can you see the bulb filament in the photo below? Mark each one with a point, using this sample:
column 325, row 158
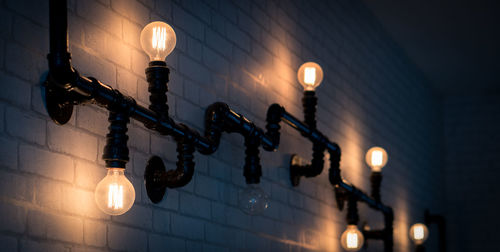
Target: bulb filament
column 377, row 158
column 352, row 240
column 309, row 75
column 418, row 233
column 115, row 196
column 159, row 38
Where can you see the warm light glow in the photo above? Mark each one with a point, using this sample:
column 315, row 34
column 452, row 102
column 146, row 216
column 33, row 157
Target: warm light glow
column 310, row 76
column 352, row 239
column 158, row 40
column 419, row 233
column 115, row 194
column 376, row 158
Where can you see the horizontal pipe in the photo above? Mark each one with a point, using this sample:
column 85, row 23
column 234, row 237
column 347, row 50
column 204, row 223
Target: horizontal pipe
column 316, row 137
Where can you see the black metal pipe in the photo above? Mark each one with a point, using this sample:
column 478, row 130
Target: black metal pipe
column 441, row 223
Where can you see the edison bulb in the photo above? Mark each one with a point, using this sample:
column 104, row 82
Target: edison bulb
column 310, row 76
column 419, row 233
column 253, row 200
column 158, row 40
column 376, row 158
column 352, row 239
column 115, row 194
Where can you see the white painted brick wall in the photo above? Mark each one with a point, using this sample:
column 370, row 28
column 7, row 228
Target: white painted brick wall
column 242, row 52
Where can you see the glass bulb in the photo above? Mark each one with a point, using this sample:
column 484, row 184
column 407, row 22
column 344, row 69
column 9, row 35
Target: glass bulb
column 419, row 233
column 253, row 200
column 376, row 158
column 115, row 194
column 158, row 40
column 352, row 239
column 310, row 75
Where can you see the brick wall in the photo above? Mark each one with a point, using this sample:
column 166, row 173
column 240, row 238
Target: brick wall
column 472, row 170
column 245, row 53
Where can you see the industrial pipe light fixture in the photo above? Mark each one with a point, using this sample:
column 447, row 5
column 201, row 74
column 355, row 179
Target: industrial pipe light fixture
column 419, row 232
column 65, row 88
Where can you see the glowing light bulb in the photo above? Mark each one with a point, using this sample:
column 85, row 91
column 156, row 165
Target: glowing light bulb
column 253, row 200
column 158, row 40
column 310, row 76
column 376, row 158
column 115, row 194
column 352, row 239
column 419, row 233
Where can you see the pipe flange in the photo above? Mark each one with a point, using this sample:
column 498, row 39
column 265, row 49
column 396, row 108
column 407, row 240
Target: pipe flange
column 152, row 179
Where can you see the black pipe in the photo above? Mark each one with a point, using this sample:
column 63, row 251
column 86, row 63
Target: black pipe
column 115, row 152
column 441, row 223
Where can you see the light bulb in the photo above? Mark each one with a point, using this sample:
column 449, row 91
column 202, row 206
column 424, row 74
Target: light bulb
column 419, row 233
column 310, row 75
column 376, row 158
column 253, row 200
column 158, row 40
column 115, row 194
column 352, row 239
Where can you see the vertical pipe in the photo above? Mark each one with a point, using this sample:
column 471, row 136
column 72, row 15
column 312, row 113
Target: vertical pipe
column 58, row 21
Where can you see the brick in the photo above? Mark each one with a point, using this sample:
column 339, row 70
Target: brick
column 118, row 52
column 89, row 65
column 8, row 243
column 100, row 16
column 41, row 246
column 133, row 10
column 124, row 238
column 138, row 138
column 9, row 154
column 48, row 194
column 161, row 221
column 164, row 147
column 68, row 140
column 187, row 227
column 45, row 163
column 88, row 174
column 92, row 119
column 138, row 216
column 18, row 92
column 132, row 34
column 193, row 205
column 224, row 236
column 194, row 48
column 160, row 242
column 170, row 200
column 37, row 11
column 17, row 186
column 24, row 63
column 57, row 227
column 188, row 22
column 31, row 35
column 127, row 82
column 81, row 202
column 94, row 233
column 207, row 187
column 189, row 113
column 239, row 38
column 218, row 43
column 139, row 63
column 215, row 62
column 193, row 70
column 12, row 217
column 23, row 125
